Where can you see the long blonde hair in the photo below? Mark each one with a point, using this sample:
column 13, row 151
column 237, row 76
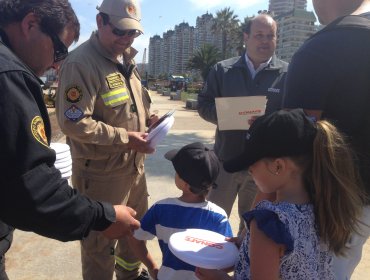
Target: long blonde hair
column 333, row 182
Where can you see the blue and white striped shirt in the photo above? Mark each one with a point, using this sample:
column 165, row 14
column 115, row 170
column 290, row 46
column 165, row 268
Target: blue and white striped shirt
column 172, row 215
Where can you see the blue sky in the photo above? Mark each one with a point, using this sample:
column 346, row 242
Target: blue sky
column 158, row 16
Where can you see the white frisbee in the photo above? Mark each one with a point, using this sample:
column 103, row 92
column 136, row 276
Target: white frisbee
column 63, row 156
column 67, row 174
column 203, row 248
column 65, row 169
column 59, row 147
column 60, row 164
column 157, row 134
column 63, row 160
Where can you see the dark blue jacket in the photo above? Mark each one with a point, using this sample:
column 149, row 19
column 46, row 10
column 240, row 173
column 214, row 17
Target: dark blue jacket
column 230, row 78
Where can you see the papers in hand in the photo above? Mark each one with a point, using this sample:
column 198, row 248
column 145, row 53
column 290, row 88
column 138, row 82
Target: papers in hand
column 235, row 113
column 160, row 128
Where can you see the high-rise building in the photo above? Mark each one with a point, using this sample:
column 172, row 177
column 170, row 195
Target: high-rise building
column 184, row 50
column 171, row 54
column 204, row 34
column 155, row 56
column 168, row 48
column 284, row 6
column 294, row 28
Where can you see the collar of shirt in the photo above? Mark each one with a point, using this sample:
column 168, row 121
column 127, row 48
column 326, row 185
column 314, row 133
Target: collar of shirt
column 251, row 66
column 4, row 40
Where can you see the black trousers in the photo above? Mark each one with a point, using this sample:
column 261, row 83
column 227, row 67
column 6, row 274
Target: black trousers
column 5, row 243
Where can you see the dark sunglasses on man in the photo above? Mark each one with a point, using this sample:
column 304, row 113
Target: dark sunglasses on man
column 121, row 33
column 118, row 32
column 60, row 50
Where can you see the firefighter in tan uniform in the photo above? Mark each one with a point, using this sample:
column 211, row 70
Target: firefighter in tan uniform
column 104, row 111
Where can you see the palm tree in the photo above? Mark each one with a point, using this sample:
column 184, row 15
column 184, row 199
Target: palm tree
column 240, row 43
column 226, row 24
column 203, row 59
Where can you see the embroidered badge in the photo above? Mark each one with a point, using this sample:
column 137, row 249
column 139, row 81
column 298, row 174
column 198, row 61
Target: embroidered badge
column 115, row 80
column 73, row 113
column 73, row 94
column 131, row 10
column 38, row 130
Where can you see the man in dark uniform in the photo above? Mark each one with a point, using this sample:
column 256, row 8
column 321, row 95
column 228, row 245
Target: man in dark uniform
column 35, row 35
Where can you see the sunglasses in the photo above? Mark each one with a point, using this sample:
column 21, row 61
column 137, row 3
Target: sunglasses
column 60, row 50
column 121, row 33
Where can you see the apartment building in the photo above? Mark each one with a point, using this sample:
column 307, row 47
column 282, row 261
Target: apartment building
column 283, row 6
column 171, row 54
column 294, row 27
column 155, row 57
column 204, row 33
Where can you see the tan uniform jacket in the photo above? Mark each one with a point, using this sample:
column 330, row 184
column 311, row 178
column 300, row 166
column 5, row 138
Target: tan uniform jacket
column 97, row 105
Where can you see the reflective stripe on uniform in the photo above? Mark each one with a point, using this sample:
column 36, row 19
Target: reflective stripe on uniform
column 115, row 97
column 126, row 265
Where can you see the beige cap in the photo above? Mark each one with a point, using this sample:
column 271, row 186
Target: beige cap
column 123, row 14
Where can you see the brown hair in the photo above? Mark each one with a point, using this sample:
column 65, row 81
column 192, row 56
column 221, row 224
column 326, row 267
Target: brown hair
column 334, row 184
column 54, row 15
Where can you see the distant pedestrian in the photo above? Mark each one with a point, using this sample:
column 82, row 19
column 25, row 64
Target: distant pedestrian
column 196, row 170
column 317, row 201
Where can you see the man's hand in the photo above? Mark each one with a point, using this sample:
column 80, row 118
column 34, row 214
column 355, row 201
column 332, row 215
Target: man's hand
column 252, row 119
column 137, row 142
column 153, row 272
column 152, row 119
column 124, row 225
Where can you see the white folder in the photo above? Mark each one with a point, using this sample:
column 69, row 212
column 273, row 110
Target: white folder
column 235, row 113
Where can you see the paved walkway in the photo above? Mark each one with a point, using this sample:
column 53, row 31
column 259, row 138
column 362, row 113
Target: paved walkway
column 33, row 257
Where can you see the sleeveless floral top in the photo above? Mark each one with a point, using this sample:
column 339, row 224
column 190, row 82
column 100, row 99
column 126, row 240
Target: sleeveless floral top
column 294, row 226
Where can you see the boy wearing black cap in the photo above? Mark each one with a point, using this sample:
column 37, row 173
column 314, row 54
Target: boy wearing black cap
column 196, row 171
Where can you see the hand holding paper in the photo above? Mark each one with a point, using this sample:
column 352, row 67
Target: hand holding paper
column 237, row 113
column 159, row 129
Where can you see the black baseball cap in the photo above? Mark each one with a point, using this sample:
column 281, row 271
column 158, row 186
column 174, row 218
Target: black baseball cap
column 282, row 133
column 195, row 164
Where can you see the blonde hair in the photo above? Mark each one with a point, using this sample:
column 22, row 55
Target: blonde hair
column 335, row 187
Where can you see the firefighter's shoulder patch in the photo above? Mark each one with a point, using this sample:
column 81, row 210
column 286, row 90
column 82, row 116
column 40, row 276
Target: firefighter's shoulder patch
column 38, row 130
column 73, row 94
column 73, row 113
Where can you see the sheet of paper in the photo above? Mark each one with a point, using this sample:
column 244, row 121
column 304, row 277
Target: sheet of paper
column 161, row 119
column 160, row 129
column 235, row 113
